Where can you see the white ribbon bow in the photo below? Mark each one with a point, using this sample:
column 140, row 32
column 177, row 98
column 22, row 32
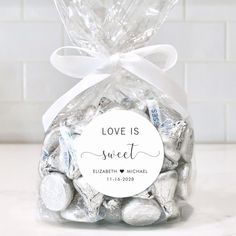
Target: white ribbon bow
column 94, row 68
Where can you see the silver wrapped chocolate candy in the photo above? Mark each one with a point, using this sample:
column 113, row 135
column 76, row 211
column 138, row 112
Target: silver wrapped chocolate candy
column 184, row 182
column 147, row 193
column 78, row 212
column 92, row 199
column 165, row 187
column 61, row 159
column 56, row 192
column 141, row 212
column 118, row 145
column 112, row 210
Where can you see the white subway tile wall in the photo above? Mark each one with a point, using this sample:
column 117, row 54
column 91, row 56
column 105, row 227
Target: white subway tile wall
column 208, row 118
column 231, row 41
column 231, row 120
column 40, row 78
column 26, row 41
column 195, row 41
column 10, row 10
column 39, row 10
column 203, row 31
column 11, row 82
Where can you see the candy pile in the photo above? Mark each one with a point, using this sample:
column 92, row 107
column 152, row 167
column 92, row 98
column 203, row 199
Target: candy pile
column 65, row 195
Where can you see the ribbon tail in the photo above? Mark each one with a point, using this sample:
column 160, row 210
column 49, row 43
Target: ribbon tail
column 88, row 82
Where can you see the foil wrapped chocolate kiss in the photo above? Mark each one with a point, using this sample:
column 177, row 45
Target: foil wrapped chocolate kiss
column 64, row 191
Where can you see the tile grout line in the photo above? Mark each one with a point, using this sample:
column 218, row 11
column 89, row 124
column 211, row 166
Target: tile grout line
column 186, row 78
column 21, row 14
column 20, row 73
column 184, row 21
column 226, row 122
column 212, row 101
column 184, row 11
column 179, row 61
column 226, row 42
column 206, row 61
column 23, row 10
column 24, row 81
column 27, row 102
column 200, row 21
column 29, row 21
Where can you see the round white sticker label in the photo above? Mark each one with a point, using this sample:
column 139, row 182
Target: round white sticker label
column 120, row 153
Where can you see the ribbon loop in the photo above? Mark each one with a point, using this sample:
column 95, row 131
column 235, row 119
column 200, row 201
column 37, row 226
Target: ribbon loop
column 170, row 53
column 76, row 66
column 94, row 68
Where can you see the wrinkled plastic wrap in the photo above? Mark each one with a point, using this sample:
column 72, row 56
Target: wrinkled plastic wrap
column 109, row 27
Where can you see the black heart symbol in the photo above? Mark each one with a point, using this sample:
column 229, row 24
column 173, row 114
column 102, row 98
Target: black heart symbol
column 121, row 171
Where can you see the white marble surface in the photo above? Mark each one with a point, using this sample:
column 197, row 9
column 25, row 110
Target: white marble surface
column 214, row 200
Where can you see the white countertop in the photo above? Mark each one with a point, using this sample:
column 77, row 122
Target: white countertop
column 213, row 202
